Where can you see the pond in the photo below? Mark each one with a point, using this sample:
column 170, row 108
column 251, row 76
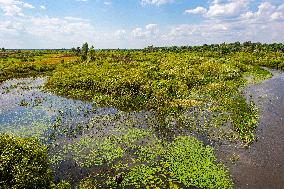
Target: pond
column 101, row 142
column 29, row 111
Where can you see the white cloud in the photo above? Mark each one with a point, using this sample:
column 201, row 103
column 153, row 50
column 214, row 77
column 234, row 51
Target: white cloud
column 14, row 7
column 71, row 18
column 12, row 27
column 247, row 15
column 156, row 2
column 281, row 7
column 42, row 7
column 120, row 34
column 266, row 12
column 277, row 16
column 59, row 29
column 266, row 24
column 221, row 8
column 197, row 30
column 150, row 30
column 27, row 5
column 47, row 32
column 107, row 3
column 227, row 8
column 138, row 33
column 197, row 10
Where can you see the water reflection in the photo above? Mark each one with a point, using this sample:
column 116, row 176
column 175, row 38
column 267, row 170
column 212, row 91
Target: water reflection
column 27, row 110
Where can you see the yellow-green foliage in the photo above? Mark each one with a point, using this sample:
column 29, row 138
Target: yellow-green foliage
column 166, row 82
column 23, row 163
column 27, row 64
column 186, row 162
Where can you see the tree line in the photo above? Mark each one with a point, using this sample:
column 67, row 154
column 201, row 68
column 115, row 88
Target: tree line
column 223, row 48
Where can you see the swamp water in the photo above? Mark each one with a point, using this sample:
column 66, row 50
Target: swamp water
column 83, row 140
column 262, row 165
column 89, row 141
column 28, row 111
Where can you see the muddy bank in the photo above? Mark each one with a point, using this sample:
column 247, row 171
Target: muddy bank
column 262, row 165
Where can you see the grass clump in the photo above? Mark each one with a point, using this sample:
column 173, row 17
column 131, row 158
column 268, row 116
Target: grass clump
column 24, row 164
column 192, row 164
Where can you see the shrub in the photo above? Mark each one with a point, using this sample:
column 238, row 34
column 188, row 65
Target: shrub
column 23, row 163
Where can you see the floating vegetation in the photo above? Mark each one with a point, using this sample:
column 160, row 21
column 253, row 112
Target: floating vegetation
column 145, row 161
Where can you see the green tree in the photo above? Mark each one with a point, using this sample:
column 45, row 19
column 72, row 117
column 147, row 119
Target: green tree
column 73, row 49
column 91, row 55
column 84, row 51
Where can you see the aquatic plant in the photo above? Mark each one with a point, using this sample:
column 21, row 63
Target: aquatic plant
column 166, row 83
column 142, row 160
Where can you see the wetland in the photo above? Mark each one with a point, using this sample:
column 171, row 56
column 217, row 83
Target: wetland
column 153, row 118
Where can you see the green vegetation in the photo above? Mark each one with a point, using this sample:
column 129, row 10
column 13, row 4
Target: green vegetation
column 185, row 163
column 167, row 83
column 178, row 90
column 15, row 64
column 23, row 163
column 144, row 161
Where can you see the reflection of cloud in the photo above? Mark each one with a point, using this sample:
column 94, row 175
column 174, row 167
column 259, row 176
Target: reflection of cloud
column 49, row 112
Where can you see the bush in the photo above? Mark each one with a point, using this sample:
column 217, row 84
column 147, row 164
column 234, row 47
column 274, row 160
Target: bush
column 23, row 163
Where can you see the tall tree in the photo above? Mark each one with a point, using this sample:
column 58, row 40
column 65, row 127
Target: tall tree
column 85, row 49
column 92, row 53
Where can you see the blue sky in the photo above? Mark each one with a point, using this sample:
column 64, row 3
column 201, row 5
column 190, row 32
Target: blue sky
column 138, row 23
